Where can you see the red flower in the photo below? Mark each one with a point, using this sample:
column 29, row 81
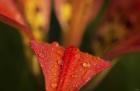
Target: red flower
column 125, row 15
column 66, row 69
column 9, row 13
column 25, row 14
column 74, row 16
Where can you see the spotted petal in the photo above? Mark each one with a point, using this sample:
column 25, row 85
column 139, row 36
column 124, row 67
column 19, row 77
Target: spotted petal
column 78, row 69
column 66, row 70
column 50, row 59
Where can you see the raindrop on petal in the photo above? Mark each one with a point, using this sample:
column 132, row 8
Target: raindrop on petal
column 97, row 58
column 86, row 64
column 59, row 62
column 74, row 76
column 54, row 85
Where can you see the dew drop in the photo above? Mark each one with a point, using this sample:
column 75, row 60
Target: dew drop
column 86, row 64
column 97, row 58
column 59, row 62
column 55, row 44
column 41, row 53
column 73, row 76
column 53, row 85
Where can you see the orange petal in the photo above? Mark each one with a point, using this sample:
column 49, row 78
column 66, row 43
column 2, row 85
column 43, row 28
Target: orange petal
column 79, row 68
column 66, row 70
column 74, row 15
column 10, row 14
column 50, row 59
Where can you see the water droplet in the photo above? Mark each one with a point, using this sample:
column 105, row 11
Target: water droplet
column 54, row 85
column 41, row 53
column 86, row 64
column 59, row 62
column 55, row 44
column 73, row 76
column 97, row 58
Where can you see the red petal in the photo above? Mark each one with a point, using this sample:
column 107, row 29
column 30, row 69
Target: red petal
column 50, row 59
column 78, row 68
column 74, row 15
column 70, row 75
column 10, row 14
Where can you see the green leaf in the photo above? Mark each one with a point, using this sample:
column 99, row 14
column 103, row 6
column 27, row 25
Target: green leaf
column 125, row 75
column 14, row 73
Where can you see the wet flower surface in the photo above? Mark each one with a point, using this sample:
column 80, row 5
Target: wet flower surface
column 66, row 69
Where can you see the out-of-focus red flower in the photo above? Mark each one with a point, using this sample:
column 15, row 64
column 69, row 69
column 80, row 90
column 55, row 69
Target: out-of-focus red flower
column 66, row 69
column 28, row 15
column 131, row 43
column 128, row 16
column 10, row 13
column 74, row 16
column 119, row 30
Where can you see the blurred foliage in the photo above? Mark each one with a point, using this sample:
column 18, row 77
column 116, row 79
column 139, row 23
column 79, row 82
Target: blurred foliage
column 54, row 33
column 124, row 76
column 14, row 72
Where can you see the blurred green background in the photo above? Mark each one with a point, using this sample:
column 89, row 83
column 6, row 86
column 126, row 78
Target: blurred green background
column 14, row 73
